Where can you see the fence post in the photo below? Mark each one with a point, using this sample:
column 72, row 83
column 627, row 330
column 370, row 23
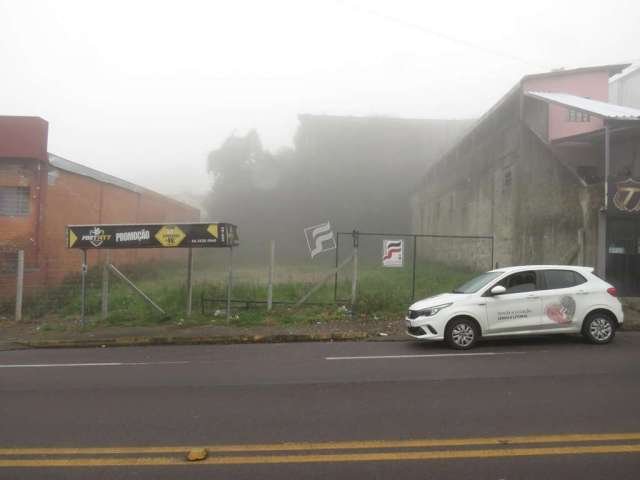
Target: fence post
column 354, row 279
column 413, row 274
column 189, row 281
column 229, row 284
column 104, row 311
column 19, row 284
column 335, row 278
column 272, row 261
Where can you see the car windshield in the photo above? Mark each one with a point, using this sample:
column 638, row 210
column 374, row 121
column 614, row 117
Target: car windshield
column 476, row 283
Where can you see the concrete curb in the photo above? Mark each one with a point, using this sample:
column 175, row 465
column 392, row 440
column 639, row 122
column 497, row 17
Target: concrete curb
column 139, row 341
column 202, row 340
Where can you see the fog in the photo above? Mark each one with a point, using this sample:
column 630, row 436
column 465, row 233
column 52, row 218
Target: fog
column 146, row 89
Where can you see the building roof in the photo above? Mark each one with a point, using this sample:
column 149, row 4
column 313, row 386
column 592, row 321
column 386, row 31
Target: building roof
column 612, row 69
column 73, row 167
column 631, row 70
column 366, row 120
column 597, row 108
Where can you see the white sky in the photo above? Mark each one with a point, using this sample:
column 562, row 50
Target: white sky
column 144, row 89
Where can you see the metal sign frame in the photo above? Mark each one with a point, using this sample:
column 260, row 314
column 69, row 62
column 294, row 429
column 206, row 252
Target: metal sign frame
column 109, row 237
column 152, row 235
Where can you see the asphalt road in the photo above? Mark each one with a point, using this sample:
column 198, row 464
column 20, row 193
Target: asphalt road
column 541, row 408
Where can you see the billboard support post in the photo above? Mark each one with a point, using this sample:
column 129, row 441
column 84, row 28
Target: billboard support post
column 189, row 281
column 83, row 286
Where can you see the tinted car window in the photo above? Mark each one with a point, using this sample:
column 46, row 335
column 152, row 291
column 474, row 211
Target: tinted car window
column 477, row 283
column 520, row 282
column 562, row 279
column 579, row 278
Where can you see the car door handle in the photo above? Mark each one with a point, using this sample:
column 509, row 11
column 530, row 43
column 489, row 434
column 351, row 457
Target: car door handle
column 532, row 296
column 582, row 292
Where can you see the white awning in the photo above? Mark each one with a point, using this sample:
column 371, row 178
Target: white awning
column 594, row 107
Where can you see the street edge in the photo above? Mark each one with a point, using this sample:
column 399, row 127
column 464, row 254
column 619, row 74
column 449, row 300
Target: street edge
column 204, row 340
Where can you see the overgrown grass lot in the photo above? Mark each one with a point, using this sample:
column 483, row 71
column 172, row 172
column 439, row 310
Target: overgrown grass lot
column 383, row 293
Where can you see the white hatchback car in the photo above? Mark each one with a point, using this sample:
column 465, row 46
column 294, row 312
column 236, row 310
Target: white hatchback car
column 526, row 300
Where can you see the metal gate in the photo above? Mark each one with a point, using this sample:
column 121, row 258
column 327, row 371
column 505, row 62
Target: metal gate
column 460, row 256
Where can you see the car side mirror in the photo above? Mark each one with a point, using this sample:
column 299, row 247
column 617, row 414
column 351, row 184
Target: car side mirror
column 498, row 290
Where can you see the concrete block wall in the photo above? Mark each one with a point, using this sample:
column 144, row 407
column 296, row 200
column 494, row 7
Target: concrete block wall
column 504, row 180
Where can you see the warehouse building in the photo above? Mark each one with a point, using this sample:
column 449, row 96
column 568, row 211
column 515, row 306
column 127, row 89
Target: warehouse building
column 552, row 171
column 41, row 193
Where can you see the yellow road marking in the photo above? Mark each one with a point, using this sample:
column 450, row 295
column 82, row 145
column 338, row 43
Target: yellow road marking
column 327, row 458
column 311, row 446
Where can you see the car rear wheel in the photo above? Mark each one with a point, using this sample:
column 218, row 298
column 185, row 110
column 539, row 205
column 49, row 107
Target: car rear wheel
column 461, row 333
column 599, row 328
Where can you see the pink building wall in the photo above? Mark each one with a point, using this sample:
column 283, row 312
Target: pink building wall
column 594, row 85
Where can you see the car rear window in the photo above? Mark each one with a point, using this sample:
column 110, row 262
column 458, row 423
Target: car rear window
column 555, row 279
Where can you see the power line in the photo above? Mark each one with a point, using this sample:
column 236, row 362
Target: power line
column 444, row 36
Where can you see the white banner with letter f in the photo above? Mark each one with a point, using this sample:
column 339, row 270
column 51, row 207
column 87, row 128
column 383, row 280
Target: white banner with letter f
column 320, row 238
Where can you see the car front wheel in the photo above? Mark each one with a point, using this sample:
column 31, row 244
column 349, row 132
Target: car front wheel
column 599, row 328
column 461, row 334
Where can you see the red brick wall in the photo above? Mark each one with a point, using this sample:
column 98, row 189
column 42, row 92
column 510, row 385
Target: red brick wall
column 75, row 199
column 23, row 137
column 19, row 233
column 60, row 198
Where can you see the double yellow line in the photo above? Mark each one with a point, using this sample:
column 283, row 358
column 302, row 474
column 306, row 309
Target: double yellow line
column 330, row 452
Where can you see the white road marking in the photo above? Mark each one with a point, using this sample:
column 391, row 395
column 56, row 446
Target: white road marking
column 433, row 355
column 105, row 364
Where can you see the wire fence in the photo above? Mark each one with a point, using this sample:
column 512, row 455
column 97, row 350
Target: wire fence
column 225, row 283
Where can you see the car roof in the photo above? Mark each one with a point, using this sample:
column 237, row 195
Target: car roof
column 520, row 268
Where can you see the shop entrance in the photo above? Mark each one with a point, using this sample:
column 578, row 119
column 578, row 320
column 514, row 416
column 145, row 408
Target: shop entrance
column 623, row 255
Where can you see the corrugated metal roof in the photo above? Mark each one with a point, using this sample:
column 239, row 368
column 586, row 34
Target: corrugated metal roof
column 594, row 107
column 73, row 167
column 631, row 70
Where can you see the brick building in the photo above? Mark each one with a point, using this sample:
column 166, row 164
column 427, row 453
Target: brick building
column 41, row 193
column 540, row 171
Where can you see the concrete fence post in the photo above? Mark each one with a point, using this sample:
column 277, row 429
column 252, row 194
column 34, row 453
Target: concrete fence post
column 229, row 284
column 354, row 278
column 272, row 260
column 19, row 284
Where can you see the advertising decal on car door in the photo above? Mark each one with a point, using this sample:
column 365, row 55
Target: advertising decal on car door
column 561, row 310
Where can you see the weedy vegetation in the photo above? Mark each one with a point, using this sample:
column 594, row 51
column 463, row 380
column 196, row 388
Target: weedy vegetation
column 383, row 293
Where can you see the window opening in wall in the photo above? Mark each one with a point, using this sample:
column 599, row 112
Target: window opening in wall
column 506, row 179
column 574, row 115
column 14, row 201
column 8, row 261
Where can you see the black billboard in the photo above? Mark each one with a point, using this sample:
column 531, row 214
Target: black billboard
column 624, row 197
column 166, row 235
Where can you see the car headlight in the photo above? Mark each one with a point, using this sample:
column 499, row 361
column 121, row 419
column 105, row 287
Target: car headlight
column 429, row 312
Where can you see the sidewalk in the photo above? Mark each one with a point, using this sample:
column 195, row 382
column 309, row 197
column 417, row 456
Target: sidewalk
column 32, row 335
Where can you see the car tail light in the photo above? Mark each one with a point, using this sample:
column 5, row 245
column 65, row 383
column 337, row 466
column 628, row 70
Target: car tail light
column 612, row 291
